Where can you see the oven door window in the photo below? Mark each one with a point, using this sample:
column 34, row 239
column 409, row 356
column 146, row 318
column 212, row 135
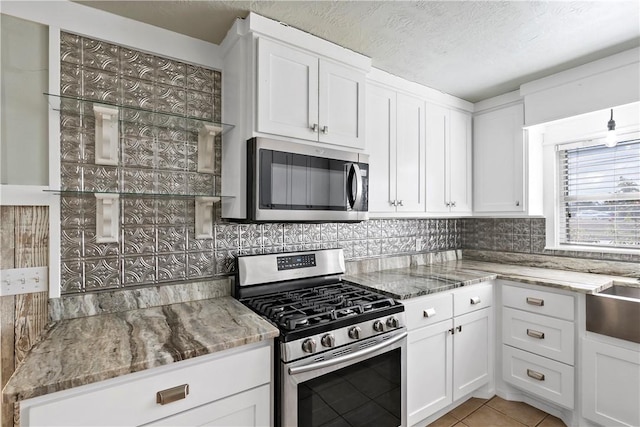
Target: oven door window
column 298, row 182
column 365, row 394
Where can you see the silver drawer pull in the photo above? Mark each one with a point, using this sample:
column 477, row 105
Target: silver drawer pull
column 475, row 300
column 535, row 301
column 535, row 375
column 535, row 334
column 172, row 394
column 429, row 312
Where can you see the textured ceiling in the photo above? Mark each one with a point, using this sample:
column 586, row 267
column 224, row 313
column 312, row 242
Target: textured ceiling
column 470, row 49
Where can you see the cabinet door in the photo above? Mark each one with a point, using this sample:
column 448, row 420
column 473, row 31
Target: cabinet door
column 429, row 371
column 611, row 384
column 341, row 108
column 410, row 152
column 471, row 352
column 249, row 408
column 381, row 145
column 459, row 162
column 287, row 91
column 498, row 160
column 437, row 191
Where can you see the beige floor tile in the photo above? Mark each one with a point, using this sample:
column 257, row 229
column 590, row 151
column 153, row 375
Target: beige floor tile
column 551, row 421
column 519, row 411
column 487, row 416
column 461, row 424
column 467, row 407
column 444, row 421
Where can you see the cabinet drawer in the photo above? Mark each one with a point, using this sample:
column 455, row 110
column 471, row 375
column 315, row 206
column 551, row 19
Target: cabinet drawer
column 473, row 298
column 428, row 310
column 546, row 336
column 538, row 301
column 249, row 408
column 538, row 375
column 131, row 399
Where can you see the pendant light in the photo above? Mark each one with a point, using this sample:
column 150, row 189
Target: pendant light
column 612, row 138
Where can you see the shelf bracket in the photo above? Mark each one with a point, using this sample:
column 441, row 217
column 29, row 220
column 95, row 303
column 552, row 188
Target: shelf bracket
column 106, row 135
column 204, row 217
column 107, row 217
column 206, row 155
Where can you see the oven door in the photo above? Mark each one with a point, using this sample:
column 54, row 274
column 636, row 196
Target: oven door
column 296, row 182
column 363, row 384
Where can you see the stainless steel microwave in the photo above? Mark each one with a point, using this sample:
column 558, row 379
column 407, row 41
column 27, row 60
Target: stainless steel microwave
column 288, row 181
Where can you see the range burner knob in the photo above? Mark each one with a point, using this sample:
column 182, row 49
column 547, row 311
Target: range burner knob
column 354, row 333
column 392, row 322
column 309, row 346
column 378, row 326
column 328, row 340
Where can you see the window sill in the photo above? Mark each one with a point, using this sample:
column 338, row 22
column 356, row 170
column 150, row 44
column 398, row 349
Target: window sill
column 593, row 249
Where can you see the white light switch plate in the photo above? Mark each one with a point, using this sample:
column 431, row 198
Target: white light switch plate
column 16, row 281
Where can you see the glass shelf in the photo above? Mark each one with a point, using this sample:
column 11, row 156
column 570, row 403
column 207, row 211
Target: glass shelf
column 131, row 194
column 135, row 114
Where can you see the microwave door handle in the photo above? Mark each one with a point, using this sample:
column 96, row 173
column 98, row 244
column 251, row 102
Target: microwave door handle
column 357, row 175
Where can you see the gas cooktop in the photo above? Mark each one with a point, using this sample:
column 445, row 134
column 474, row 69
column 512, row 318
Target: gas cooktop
column 324, row 305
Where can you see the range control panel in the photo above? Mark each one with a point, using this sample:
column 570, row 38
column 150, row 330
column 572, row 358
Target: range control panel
column 296, row 261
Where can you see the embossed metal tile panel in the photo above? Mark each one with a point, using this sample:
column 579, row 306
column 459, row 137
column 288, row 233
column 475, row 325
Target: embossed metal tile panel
column 158, row 154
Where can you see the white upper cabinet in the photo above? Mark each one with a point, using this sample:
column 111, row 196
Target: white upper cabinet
column 301, row 95
column 498, row 160
column 448, row 161
column 341, row 105
column 381, row 145
column 410, row 154
column 396, row 143
column 287, row 91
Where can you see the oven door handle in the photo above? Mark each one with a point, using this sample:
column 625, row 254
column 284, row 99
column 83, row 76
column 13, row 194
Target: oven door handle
column 325, row 363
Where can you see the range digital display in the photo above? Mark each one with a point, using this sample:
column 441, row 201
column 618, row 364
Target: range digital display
column 296, row 261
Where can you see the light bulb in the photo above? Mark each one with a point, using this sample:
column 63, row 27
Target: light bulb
column 612, row 138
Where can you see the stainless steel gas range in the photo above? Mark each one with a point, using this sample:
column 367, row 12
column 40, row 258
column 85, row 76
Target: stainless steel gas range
column 340, row 358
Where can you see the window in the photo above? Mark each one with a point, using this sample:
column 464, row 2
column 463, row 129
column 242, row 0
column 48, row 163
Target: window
column 600, row 195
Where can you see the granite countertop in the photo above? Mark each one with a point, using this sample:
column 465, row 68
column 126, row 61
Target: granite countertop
column 85, row 350
column 411, row 282
column 139, row 339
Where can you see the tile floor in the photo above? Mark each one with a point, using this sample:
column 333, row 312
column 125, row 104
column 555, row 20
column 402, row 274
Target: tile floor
column 496, row 412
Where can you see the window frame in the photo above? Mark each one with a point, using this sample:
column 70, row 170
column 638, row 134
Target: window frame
column 552, row 199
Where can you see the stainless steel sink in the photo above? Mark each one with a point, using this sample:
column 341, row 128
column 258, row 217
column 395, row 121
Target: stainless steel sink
column 615, row 312
column 623, row 291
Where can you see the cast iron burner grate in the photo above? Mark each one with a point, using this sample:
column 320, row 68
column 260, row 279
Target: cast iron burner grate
column 307, row 307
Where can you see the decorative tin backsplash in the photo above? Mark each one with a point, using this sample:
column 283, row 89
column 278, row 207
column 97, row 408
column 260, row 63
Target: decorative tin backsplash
column 157, row 154
column 156, row 237
column 524, row 235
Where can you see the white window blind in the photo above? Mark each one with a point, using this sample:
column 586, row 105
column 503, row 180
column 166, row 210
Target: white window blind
column 600, row 195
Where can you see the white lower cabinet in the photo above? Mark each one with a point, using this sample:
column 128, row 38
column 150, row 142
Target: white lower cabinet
column 429, row 371
column 448, row 356
column 471, row 352
column 538, row 333
column 611, row 383
column 227, row 388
